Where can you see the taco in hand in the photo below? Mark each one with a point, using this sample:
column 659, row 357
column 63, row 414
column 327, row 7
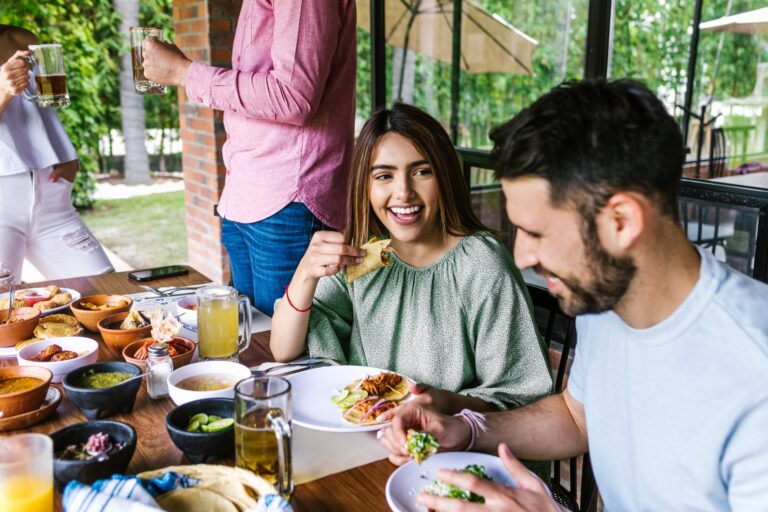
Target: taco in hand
column 364, row 400
column 376, row 257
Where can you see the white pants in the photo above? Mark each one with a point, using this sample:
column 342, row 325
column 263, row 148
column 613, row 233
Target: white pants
column 39, row 223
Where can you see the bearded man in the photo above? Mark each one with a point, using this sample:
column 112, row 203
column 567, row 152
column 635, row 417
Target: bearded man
column 665, row 390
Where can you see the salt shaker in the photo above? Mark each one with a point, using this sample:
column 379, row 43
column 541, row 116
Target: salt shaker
column 159, row 366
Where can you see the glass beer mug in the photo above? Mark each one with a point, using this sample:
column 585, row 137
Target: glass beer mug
column 140, row 83
column 218, row 333
column 47, row 63
column 263, row 414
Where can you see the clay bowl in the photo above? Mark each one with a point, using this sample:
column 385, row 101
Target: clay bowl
column 21, row 329
column 90, row 319
column 93, row 402
column 13, row 404
column 117, row 339
column 178, row 361
column 88, row 471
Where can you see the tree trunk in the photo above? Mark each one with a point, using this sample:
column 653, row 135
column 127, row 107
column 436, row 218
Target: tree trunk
column 131, row 104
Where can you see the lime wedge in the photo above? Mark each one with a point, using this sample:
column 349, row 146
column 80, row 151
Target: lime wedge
column 212, row 418
column 216, row 426
column 193, row 426
column 200, row 417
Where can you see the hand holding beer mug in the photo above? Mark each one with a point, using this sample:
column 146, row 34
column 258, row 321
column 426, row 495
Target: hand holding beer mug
column 141, row 84
column 263, row 414
column 47, row 63
column 218, row 333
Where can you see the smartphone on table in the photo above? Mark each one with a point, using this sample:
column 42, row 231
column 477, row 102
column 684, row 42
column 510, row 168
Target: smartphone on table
column 158, row 273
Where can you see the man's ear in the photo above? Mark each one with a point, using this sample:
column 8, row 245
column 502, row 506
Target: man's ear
column 622, row 220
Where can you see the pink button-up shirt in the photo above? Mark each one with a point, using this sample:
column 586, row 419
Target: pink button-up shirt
column 289, row 108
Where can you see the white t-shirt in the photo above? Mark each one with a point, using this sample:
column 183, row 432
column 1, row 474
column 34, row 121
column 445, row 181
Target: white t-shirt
column 677, row 414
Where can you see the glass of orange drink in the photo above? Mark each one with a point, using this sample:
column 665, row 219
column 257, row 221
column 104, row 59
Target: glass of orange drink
column 26, row 473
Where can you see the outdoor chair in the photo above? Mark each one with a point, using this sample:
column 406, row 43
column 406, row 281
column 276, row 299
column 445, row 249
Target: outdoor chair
column 559, row 329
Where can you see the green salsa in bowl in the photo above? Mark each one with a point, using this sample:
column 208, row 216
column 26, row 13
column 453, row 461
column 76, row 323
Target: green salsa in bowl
column 102, row 389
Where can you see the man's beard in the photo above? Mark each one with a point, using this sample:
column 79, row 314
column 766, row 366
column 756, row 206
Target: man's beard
column 610, row 275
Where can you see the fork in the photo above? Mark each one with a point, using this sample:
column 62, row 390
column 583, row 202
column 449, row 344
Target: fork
column 11, row 296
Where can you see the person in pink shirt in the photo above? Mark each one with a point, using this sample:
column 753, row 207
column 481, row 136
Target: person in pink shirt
column 289, row 113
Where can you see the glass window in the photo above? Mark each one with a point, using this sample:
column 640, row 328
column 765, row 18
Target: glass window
column 651, row 43
column 511, row 54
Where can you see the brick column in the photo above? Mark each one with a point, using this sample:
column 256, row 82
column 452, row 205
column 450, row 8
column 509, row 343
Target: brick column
column 204, row 32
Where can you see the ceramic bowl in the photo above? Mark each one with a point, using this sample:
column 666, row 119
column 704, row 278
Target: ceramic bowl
column 88, row 471
column 86, row 347
column 95, row 402
column 13, row 404
column 181, row 396
column 186, row 308
column 117, row 339
column 90, row 319
column 178, row 361
column 200, row 446
column 21, row 329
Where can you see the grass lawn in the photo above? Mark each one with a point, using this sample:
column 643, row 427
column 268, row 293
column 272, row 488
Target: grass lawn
column 145, row 231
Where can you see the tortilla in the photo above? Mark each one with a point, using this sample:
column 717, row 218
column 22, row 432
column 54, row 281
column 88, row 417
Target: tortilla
column 220, row 488
column 57, row 326
column 375, row 258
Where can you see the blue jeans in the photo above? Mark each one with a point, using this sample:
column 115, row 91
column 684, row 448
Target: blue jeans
column 264, row 254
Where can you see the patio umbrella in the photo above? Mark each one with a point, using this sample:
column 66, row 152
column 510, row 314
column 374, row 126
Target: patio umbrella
column 750, row 22
column 488, row 43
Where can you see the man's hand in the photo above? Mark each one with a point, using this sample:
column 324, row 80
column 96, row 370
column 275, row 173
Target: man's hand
column 13, row 75
column 164, row 63
column 428, row 396
column 452, row 433
column 531, row 493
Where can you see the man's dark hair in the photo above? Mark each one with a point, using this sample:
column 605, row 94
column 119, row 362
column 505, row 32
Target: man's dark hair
column 592, row 139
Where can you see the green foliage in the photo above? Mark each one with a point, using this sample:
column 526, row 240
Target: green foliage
column 87, row 29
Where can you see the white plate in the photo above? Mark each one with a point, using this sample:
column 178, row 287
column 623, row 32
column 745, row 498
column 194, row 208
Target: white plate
column 311, row 392
column 408, row 480
column 88, row 348
column 75, row 296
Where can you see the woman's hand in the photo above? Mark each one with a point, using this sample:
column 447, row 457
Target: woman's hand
column 326, row 254
column 164, row 63
column 13, row 75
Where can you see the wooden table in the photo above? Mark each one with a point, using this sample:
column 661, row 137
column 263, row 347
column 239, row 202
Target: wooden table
column 361, row 488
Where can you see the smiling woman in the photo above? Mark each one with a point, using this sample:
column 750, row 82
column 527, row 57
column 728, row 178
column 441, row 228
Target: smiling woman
column 451, row 311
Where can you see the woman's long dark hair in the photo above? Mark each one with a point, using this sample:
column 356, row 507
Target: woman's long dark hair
column 430, row 138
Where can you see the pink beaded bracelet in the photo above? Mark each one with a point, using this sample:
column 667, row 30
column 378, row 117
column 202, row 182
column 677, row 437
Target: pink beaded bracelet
column 476, row 422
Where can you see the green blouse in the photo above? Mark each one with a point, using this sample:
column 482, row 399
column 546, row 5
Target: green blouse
column 463, row 324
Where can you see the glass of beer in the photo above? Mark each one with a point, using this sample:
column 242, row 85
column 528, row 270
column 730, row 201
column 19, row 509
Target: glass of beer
column 26, row 473
column 47, row 63
column 218, row 332
column 263, row 415
column 140, row 82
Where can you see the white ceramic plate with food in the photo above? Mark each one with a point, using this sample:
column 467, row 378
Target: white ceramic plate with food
column 311, row 392
column 407, row 481
column 44, row 291
column 86, row 351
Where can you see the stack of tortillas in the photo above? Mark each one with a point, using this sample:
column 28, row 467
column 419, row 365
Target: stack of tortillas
column 376, row 257
column 220, row 489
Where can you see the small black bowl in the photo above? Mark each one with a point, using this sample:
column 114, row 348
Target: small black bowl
column 88, row 471
column 199, row 446
column 93, row 402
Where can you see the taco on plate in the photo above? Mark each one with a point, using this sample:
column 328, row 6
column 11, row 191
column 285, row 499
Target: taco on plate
column 364, row 400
